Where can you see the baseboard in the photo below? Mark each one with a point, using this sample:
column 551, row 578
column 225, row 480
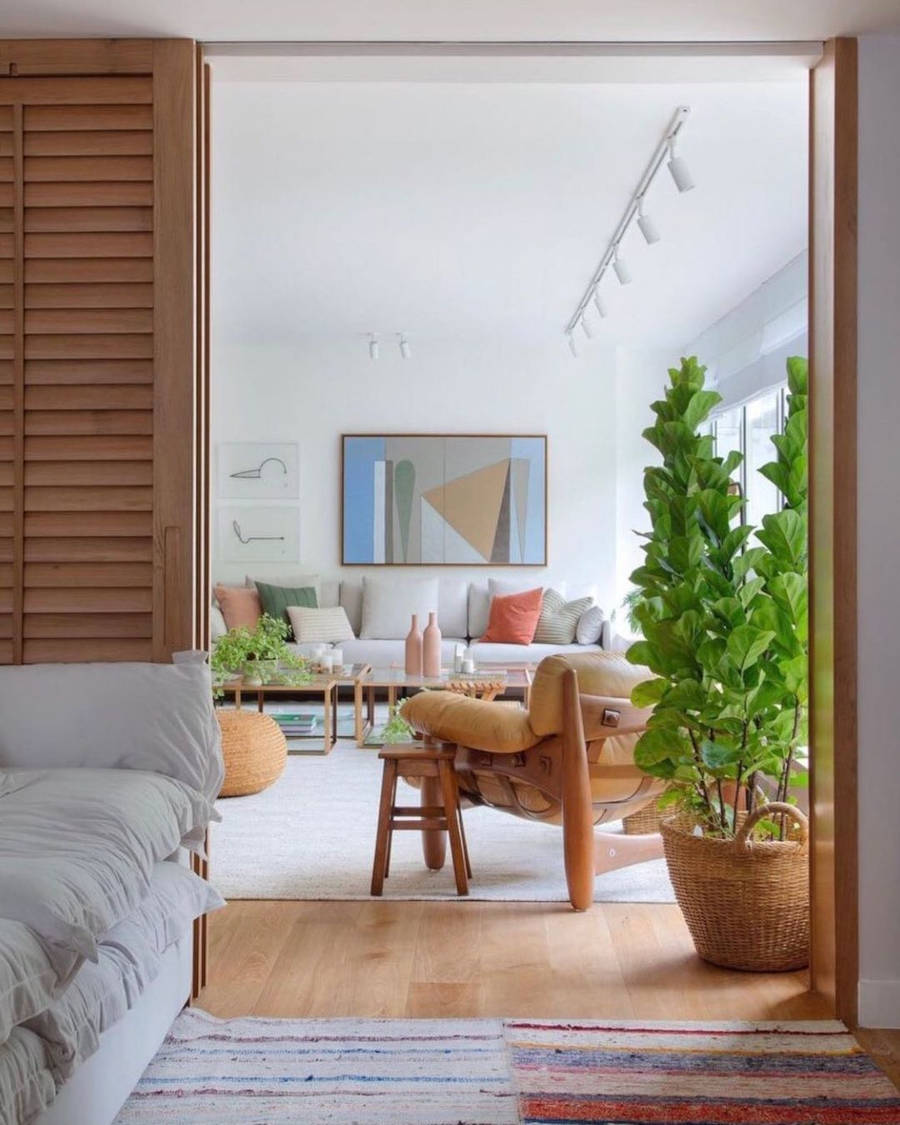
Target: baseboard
column 879, row 1003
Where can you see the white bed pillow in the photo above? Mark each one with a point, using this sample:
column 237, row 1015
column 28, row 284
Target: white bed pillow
column 128, row 961
column 77, row 847
column 113, row 716
column 31, row 974
column 329, row 624
column 26, row 1083
column 389, row 603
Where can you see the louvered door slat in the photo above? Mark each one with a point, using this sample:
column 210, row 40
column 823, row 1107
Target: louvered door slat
column 10, row 385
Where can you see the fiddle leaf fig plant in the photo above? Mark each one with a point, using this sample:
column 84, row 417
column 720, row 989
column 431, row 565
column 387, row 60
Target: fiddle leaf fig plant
column 723, row 618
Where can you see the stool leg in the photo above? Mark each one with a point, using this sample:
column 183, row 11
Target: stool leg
column 451, row 812
column 382, row 835
column 390, row 839
column 462, row 833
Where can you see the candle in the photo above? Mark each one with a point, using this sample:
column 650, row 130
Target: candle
column 328, row 661
column 468, row 665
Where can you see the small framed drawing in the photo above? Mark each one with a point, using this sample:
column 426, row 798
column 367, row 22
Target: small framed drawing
column 257, row 470
column 259, row 534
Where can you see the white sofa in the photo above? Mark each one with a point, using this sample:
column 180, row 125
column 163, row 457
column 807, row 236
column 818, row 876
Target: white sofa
column 108, row 772
column 463, row 609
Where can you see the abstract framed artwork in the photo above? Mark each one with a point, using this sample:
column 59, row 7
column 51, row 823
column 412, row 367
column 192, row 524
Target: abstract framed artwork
column 444, row 499
column 259, row 534
column 257, row 470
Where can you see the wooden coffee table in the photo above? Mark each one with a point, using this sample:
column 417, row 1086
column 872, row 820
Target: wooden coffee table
column 489, row 681
column 324, row 685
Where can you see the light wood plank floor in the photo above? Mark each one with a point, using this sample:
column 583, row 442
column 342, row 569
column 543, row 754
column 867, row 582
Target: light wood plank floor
column 452, row 959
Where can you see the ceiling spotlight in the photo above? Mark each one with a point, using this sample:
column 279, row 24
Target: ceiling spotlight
column 677, row 165
column 405, row 349
column 646, row 225
column 573, row 347
column 373, row 345
column 623, row 273
column 599, row 303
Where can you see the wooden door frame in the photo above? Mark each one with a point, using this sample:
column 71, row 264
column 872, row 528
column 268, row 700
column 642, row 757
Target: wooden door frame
column 834, row 874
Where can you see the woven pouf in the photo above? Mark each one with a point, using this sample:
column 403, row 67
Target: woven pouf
column 254, row 750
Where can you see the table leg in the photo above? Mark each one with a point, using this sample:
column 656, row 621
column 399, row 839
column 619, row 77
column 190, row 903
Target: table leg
column 326, row 715
column 259, row 701
column 434, row 840
column 237, row 699
column 335, row 696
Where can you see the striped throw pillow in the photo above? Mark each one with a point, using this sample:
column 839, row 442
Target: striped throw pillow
column 559, row 619
column 328, row 624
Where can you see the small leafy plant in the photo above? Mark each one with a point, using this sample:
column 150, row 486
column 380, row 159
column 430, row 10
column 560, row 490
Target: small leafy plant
column 724, row 620
column 241, row 647
column 396, row 729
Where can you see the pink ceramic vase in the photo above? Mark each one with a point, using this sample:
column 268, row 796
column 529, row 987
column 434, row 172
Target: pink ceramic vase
column 414, row 649
column 431, row 647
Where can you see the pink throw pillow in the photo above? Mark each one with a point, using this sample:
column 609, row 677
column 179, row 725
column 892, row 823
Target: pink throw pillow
column 240, row 606
column 514, row 618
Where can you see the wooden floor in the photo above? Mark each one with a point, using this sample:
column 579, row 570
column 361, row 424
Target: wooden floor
column 470, row 959
column 443, row 959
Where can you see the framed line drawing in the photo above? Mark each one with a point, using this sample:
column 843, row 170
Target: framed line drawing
column 248, row 534
column 444, row 499
column 256, row 470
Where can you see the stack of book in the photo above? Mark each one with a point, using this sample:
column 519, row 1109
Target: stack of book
column 296, row 724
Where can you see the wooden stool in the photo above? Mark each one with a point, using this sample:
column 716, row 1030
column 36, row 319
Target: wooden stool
column 435, row 764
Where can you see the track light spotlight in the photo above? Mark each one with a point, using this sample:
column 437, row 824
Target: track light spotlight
column 623, row 273
column 573, row 347
column 599, row 303
column 586, row 326
column 405, row 349
column 647, row 227
column 681, row 174
column 374, row 348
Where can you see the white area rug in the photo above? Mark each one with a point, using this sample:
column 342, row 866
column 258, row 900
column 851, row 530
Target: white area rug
column 312, row 834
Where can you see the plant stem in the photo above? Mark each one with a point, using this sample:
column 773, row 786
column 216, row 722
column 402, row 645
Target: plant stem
column 721, row 803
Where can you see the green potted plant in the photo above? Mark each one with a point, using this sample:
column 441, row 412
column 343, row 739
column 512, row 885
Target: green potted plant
column 260, row 655
column 724, row 625
column 396, row 729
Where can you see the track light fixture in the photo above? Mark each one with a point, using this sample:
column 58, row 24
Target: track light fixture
column 623, row 273
column 374, row 348
column 405, row 349
column 586, row 326
column 634, row 212
column 646, row 225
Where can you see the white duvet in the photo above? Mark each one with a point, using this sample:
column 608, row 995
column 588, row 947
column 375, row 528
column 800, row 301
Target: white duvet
column 77, row 846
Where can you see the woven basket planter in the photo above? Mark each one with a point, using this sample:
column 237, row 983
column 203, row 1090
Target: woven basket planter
column 254, row 750
column 644, row 822
column 746, row 902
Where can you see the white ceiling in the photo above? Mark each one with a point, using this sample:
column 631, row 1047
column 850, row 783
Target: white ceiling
column 450, row 19
column 463, row 211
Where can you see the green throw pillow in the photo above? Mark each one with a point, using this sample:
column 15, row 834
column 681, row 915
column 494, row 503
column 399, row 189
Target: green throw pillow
column 275, row 600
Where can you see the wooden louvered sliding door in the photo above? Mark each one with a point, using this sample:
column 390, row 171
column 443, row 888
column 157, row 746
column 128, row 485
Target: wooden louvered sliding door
column 98, row 420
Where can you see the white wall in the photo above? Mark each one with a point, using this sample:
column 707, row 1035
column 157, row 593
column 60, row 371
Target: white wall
column 315, row 392
column 641, row 378
column 879, row 530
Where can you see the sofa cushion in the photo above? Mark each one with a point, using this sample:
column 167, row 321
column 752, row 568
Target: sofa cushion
column 486, row 653
column 327, row 624
column 296, row 579
column 389, row 603
column 514, row 617
column 470, row 722
column 559, row 619
column 240, row 606
column 599, row 673
column 384, row 653
column 480, row 594
column 276, row 599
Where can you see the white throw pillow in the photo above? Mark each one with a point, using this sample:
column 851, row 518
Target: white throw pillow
column 389, row 603
column 590, row 626
column 329, row 624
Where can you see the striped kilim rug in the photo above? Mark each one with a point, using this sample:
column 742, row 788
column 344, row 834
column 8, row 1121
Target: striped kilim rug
column 492, row 1072
column 693, row 1074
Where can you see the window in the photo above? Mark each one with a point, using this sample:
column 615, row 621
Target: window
column 749, row 429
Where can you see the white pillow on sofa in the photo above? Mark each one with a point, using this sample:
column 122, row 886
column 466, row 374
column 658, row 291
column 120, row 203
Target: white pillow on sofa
column 328, row 624
column 590, row 626
column 389, row 603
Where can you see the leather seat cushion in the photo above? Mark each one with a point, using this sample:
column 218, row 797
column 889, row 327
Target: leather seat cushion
column 599, row 673
column 470, row 722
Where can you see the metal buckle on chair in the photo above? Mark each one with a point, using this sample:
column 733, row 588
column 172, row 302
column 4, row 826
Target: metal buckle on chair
column 611, row 717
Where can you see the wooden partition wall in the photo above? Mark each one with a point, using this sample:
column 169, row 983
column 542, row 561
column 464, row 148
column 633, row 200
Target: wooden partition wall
column 98, row 350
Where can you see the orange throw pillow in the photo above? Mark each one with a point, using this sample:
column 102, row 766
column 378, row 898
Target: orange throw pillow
column 240, row 605
column 514, row 618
